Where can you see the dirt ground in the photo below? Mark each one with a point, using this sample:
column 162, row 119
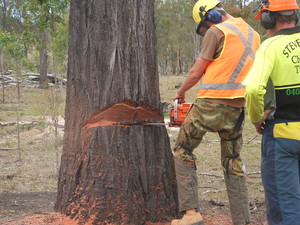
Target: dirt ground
column 36, row 208
column 27, row 207
column 27, row 194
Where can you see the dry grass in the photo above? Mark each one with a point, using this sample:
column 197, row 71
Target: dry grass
column 37, row 171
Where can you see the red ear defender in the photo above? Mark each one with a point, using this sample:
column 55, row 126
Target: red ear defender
column 267, row 18
column 275, row 6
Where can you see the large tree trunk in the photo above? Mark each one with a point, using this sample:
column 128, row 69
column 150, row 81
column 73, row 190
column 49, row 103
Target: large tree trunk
column 114, row 174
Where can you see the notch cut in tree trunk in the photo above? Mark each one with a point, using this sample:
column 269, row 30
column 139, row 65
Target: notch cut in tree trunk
column 122, row 112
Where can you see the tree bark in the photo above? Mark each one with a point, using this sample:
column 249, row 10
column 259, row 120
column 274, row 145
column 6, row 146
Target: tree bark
column 43, row 61
column 114, row 174
column 4, row 26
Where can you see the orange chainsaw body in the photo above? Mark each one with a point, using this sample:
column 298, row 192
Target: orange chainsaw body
column 178, row 114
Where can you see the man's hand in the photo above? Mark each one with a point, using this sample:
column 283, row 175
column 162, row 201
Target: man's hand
column 180, row 97
column 261, row 125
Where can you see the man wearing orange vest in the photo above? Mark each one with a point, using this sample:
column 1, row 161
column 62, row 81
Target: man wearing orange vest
column 227, row 53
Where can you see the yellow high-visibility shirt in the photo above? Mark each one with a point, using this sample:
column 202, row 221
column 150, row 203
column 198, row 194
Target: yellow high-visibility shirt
column 277, row 61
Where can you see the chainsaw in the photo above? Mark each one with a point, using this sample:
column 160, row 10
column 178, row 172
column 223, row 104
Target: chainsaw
column 177, row 116
column 178, row 113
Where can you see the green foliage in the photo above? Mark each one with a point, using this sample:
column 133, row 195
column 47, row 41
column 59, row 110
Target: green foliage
column 16, row 50
column 5, row 38
column 12, row 45
column 60, row 41
column 29, row 37
column 35, row 23
column 47, row 27
column 43, row 16
column 44, row 13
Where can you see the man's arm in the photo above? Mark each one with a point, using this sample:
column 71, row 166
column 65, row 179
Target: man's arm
column 193, row 78
column 256, row 83
column 213, row 39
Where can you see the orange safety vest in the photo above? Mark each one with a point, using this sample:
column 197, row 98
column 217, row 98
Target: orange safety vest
column 224, row 75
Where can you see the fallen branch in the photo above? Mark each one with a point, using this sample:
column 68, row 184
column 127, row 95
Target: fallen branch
column 212, row 191
column 6, row 149
column 208, row 187
column 14, row 123
column 250, row 173
column 24, row 123
column 211, row 175
column 7, row 124
column 7, row 177
column 210, row 141
column 58, row 125
column 252, row 139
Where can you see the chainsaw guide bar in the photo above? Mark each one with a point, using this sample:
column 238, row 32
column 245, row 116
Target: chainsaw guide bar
column 177, row 116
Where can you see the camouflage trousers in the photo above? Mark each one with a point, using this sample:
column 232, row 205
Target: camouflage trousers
column 205, row 117
column 228, row 121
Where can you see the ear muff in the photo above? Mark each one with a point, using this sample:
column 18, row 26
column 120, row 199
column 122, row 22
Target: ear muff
column 268, row 20
column 213, row 16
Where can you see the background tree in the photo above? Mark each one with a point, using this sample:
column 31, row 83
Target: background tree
column 59, row 45
column 175, row 36
column 10, row 45
column 11, row 25
column 177, row 43
column 41, row 18
column 17, row 52
column 114, row 174
column 11, row 15
column 4, row 16
column 4, row 38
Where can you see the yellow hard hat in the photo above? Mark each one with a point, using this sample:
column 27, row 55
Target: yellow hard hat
column 207, row 5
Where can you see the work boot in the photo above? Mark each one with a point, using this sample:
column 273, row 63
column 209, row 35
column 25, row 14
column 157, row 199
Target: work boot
column 191, row 217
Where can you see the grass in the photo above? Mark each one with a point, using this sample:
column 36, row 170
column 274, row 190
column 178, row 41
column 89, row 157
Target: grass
column 37, row 171
column 38, row 168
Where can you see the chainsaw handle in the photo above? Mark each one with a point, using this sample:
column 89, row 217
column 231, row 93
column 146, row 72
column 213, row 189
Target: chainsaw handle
column 176, row 109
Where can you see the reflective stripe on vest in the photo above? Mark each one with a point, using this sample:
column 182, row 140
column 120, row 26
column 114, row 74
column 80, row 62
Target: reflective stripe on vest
column 224, row 75
column 248, row 52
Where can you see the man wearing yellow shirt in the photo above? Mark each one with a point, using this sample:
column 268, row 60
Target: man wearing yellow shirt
column 273, row 105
